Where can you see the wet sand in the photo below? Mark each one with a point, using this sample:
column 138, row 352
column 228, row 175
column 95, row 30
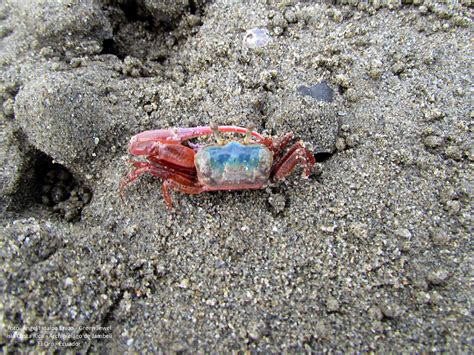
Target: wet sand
column 371, row 252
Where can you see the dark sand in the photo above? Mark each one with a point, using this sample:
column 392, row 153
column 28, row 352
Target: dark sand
column 372, row 252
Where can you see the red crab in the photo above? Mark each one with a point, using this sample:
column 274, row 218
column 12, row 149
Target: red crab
column 250, row 163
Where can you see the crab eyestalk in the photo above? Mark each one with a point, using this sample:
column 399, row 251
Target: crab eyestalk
column 217, row 133
column 250, row 127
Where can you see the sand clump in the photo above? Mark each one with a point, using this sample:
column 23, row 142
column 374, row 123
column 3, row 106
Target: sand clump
column 371, row 253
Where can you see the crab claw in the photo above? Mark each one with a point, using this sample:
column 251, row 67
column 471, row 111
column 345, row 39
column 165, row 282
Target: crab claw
column 143, row 143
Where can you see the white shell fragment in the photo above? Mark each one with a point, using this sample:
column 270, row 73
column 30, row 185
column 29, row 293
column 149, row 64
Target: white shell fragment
column 257, row 37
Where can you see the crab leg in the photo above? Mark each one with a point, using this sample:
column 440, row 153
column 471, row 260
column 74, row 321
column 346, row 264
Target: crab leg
column 143, row 143
column 297, row 154
column 182, row 185
column 133, row 176
column 280, row 144
column 146, row 167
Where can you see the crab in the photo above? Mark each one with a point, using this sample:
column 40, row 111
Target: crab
column 252, row 162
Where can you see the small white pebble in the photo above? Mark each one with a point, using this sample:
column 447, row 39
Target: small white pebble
column 211, row 302
column 257, row 37
column 184, row 283
column 328, row 229
column 68, row 282
column 403, row 232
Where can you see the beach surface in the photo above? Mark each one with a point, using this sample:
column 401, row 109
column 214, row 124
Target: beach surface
column 372, row 252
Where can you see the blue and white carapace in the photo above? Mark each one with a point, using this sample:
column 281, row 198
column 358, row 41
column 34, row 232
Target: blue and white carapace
column 234, row 166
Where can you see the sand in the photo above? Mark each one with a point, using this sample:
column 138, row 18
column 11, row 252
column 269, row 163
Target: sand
column 372, row 252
